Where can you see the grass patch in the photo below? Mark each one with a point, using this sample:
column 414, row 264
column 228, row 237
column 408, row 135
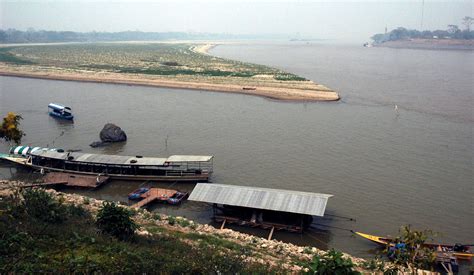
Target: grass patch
column 289, row 77
column 8, row 57
column 172, row 71
column 214, row 241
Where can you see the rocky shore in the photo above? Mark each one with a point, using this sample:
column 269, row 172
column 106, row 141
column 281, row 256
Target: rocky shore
column 271, row 252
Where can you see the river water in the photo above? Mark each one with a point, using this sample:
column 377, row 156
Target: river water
column 385, row 167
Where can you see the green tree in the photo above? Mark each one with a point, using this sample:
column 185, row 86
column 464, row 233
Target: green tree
column 9, row 129
column 409, row 250
column 467, row 21
column 116, row 221
column 453, row 29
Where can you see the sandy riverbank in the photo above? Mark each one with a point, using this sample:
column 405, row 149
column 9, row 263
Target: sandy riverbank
column 316, row 93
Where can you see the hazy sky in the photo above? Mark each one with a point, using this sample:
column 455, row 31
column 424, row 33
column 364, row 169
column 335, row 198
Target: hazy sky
column 345, row 20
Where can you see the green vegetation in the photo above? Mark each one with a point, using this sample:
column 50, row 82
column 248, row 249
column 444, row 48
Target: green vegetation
column 411, row 252
column 452, row 32
column 42, row 233
column 116, row 221
column 146, row 58
column 332, row 262
column 376, row 264
column 70, row 243
column 7, row 57
column 10, row 128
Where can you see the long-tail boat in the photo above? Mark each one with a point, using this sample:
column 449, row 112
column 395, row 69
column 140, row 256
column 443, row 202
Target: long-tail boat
column 460, row 251
column 174, row 168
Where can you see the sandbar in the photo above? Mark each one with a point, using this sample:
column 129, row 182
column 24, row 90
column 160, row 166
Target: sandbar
column 257, row 86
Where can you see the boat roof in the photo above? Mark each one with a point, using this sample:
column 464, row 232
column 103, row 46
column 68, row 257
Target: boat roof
column 189, row 158
column 111, row 159
column 25, row 150
column 261, row 198
column 57, row 106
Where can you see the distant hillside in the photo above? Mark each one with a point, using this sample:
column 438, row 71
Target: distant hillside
column 42, row 36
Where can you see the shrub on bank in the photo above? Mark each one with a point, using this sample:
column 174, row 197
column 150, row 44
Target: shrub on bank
column 331, row 262
column 116, row 221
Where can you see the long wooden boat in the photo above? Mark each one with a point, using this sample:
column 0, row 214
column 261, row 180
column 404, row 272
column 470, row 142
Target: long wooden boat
column 174, row 168
column 461, row 252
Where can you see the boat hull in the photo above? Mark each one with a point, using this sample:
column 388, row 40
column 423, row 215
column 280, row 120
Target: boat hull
column 184, row 178
column 55, row 115
column 445, row 248
column 204, row 177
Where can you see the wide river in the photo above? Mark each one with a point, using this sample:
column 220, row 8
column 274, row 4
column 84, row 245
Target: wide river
column 386, row 167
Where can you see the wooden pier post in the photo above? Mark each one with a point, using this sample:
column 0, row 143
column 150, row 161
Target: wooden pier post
column 223, row 224
column 271, row 233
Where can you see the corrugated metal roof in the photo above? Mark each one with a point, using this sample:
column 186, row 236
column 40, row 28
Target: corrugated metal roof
column 261, row 198
column 114, row 159
column 185, row 158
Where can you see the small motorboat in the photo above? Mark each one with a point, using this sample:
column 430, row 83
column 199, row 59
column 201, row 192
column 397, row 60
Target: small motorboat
column 461, row 252
column 177, row 198
column 59, row 111
column 137, row 194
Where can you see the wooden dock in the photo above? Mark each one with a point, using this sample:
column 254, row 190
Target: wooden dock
column 67, row 179
column 155, row 194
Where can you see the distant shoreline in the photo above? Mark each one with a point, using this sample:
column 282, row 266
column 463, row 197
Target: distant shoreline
column 430, row 44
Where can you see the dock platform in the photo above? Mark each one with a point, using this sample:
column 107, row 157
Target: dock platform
column 155, row 194
column 68, row 179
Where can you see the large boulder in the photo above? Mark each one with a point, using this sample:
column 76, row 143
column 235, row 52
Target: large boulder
column 112, row 133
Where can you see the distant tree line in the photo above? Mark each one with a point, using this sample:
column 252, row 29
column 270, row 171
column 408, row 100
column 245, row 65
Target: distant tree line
column 452, row 32
column 42, row 36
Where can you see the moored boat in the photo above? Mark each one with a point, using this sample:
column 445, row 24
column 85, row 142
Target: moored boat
column 174, row 168
column 59, row 111
column 136, row 195
column 177, row 198
column 461, row 252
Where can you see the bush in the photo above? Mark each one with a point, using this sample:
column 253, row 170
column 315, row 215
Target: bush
column 375, row 264
column 171, row 220
column 157, row 216
column 330, row 263
column 9, row 128
column 41, row 205
column 116, row 221
column 183, row 222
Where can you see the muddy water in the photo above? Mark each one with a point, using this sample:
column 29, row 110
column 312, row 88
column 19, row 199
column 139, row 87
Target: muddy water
column 384, row 167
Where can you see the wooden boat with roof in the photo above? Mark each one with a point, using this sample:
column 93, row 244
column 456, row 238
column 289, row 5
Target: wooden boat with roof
column 60, row 111
column 188, row 168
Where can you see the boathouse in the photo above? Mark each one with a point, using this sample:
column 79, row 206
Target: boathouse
column 261, row 207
